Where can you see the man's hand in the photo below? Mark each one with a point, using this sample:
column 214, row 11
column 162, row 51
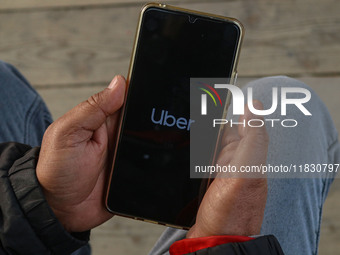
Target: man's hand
column 235, row 206
column 74, row 159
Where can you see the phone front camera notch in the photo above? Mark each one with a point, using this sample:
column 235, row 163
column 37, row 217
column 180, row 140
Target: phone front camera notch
column 192, row 19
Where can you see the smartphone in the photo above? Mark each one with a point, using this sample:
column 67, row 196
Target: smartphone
column 150, row 178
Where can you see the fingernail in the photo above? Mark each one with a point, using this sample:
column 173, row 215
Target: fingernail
column 113, row 82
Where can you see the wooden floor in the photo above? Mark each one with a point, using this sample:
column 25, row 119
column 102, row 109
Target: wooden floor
column 69, row 50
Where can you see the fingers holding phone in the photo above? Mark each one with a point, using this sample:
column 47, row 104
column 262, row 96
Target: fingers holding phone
column 74, row 160
column 234, row 204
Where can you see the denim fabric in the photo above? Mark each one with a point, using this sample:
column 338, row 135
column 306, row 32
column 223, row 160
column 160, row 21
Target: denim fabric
column 294, row 206
column 24, row 116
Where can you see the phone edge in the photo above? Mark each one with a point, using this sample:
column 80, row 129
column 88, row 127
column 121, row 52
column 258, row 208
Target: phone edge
column 132, row 60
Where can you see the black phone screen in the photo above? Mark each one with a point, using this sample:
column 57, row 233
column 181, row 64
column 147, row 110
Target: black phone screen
column 151, row 178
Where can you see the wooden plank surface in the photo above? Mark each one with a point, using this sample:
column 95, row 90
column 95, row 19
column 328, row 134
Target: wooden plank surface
column 125, row 236
column 16, row 5
column 6, row 5
column 77, row 46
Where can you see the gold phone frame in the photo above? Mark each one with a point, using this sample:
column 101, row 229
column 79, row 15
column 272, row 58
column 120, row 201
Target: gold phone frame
column 132, row 60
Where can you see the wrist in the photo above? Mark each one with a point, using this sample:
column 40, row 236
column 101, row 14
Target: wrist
column 195, row 232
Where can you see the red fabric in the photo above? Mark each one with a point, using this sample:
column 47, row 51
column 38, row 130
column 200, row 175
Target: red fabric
column 193, row 244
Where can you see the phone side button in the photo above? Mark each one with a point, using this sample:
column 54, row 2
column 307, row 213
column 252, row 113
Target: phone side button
column 151, row 221
column 235, row 78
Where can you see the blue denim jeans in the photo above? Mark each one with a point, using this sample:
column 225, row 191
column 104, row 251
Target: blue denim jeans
column 294, row 206
column 24, row 116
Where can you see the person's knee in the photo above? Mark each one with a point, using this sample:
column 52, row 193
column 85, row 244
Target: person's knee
column 319, row 118
column 263, row 89
column 13, row 82
column 306, row 103
column 276, row 81
column 5, row 68
column 24, row 113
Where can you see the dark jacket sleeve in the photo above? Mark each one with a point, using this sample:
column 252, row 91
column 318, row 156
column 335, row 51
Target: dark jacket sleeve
column 27, row 223
column 264, row 245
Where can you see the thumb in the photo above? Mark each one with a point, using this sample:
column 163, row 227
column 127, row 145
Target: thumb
column 92, row 113
column 253, row 147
